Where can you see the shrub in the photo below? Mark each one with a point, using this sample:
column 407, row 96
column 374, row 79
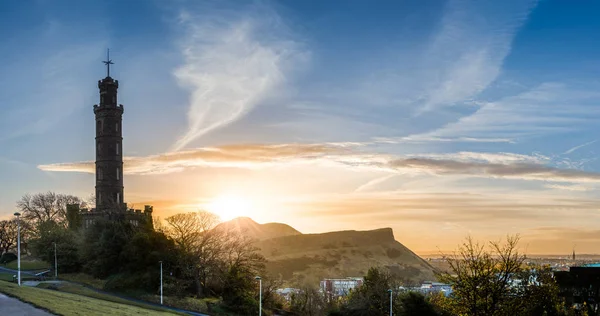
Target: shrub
column 7, row 257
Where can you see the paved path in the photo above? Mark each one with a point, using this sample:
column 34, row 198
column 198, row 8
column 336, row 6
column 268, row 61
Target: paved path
column 12, row 306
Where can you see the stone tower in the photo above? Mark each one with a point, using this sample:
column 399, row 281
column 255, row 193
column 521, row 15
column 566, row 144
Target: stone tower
column 109, row 149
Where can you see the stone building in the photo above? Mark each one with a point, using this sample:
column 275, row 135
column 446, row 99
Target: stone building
column 110, row 198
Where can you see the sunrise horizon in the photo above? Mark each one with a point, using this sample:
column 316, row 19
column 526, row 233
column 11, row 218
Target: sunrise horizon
column 439, row 122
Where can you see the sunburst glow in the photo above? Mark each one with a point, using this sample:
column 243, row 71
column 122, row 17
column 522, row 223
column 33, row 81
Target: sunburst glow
column 230, row 206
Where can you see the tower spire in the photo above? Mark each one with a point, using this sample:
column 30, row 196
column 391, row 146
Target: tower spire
column 108, row 62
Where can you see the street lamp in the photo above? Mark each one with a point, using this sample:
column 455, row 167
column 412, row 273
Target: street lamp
column 259, row 295
column 161, row 284
column 17, row 214
column 55, row 263
column 391, row 291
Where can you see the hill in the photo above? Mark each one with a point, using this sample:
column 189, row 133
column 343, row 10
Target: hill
column 249, row 227
column 310, row 257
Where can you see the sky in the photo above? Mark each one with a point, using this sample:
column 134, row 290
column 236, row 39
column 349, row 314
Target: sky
column 439, row 119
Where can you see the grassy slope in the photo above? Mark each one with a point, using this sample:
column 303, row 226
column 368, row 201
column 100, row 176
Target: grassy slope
column 28, row 265
column 311, row 257
column 187, row 303
column 70, row 304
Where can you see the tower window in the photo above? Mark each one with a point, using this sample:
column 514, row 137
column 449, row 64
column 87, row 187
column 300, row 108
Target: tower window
column 118, row 173
column 99, row 126
column 118, row 198
column 117, row 127
column 99, row 198
column 99, row 171
column 117, row 147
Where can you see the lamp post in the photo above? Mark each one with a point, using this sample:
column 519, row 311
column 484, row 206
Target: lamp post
column 17, row 214
column 391, row 291
column 259, row 295
column 161, row 284
column 55, row 263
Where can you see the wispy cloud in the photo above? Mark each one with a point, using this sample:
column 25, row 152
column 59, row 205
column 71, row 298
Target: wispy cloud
column 233, row 62
column 546, row 109
column 240, row 156
column 488, row 165
column 374, row 182
column 578, row 147
column 466, row 55
column 576, row 187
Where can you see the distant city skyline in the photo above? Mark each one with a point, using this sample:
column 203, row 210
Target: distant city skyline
column 437, row 119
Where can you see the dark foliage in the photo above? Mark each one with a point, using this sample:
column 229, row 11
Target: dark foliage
column 7, row 257
column 42, row 246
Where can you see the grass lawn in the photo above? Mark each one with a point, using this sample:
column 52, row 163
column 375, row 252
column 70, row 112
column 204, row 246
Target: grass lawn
column 83, row 279
column 81, row 290
column 70, row 304
column 28, row 265
column 5, row 276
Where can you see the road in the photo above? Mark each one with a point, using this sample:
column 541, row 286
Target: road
column 12, row 306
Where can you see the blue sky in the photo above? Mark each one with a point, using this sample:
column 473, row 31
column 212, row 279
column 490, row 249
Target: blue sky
column 452, row 117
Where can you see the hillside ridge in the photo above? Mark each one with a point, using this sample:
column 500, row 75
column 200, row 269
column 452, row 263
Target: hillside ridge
column 298, row 257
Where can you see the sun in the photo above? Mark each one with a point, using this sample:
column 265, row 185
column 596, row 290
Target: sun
column 230, row 206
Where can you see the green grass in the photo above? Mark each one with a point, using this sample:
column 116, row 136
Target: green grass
column 6, row 276
column 83, row 279
column 28, row 265
column 70, row 304
column 188, row 303
column 81, row 290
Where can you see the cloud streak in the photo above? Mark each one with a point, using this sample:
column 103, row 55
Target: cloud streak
column 233, row 62
column 475, row 37
column 549, row 108
column 487, row 165
column 570, row 151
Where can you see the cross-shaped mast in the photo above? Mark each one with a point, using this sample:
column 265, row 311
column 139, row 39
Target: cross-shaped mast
column 108, row 62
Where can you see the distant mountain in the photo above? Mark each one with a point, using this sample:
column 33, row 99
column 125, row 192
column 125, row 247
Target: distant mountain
column 249, row 227
column 311, row 257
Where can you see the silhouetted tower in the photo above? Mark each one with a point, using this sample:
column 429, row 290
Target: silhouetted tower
column 109, row 141
column 573, row 254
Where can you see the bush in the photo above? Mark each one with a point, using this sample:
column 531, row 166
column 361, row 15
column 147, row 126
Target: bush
column 7, row 257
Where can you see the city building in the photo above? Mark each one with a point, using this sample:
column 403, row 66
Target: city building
column 110, row 197
column 340, row 287
column 580, row 285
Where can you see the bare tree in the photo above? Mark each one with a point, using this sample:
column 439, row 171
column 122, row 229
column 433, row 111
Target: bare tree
column 482, row 278
column 8, row 235
column 186, row 229
column 199, row 242
column 43, row 207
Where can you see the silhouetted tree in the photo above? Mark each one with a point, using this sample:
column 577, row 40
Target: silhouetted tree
column 67, row 255
column 308, row 301
column 8, row 235
column 44, row 207
column 482, row 279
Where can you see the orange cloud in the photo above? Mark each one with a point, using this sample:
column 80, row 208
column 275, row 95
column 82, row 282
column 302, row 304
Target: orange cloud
column 490, row 165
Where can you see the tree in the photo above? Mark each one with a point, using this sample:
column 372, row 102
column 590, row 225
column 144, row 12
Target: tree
column 536, row 293
column 8, row 235
column 66, row 246
column 187, row 228
column 240, row 262
column 415, row 304
column 200, row 244
column 309, row 301
column 102, row 246
column 140, row 257
column 43, row 207
column 483, row 280
column 372, row 297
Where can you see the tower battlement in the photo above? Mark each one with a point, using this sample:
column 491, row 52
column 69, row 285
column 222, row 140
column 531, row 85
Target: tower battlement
column 109, row 159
